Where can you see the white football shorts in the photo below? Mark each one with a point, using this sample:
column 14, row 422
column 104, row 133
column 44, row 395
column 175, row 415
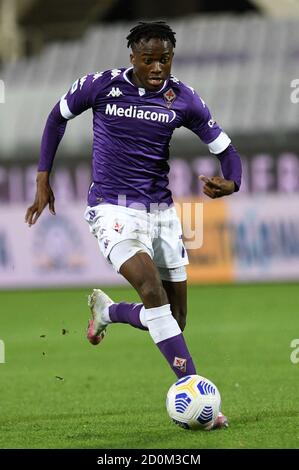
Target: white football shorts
column 122, row 232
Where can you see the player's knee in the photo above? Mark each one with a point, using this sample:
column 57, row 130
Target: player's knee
column 151, row 292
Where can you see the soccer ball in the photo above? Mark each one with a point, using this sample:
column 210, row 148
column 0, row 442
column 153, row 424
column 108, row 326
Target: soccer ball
column 193, row 402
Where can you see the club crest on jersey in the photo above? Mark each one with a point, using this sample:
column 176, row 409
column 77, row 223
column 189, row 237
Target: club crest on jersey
column 169, row 97
column 180, row 363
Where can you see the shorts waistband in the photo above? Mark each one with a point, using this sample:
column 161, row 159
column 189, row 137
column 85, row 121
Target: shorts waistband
column 154, row 208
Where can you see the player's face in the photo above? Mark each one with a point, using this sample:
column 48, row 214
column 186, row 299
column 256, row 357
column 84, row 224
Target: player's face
column 151, row 62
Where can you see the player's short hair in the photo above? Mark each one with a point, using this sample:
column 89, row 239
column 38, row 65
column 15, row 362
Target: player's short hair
column 150, row 30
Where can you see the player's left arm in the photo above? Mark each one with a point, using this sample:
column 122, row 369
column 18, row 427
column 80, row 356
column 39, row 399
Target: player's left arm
column 231, row 167
column 199, row 120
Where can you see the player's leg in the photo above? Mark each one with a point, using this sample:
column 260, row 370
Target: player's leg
column 100, row 303
column 143, row 275
column 177, row 297
column 121, row 233
column 154, row 313
column 133, row 268
column 117, row 231
column 124, row 237
column 171, row 258
column 175, row 280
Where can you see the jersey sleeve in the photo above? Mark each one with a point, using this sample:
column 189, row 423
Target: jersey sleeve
column 81, row 96
column 199, row 120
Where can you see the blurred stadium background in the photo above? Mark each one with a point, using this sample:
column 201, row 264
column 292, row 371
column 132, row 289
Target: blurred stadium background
column 242, row 57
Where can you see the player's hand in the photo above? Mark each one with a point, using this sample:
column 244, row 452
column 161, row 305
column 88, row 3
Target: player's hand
column 44, row 196
column 217, row 186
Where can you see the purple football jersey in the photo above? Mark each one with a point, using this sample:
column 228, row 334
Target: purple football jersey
column 132, row 128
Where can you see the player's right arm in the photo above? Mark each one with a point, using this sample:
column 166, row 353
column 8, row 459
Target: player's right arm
column 52, row 135
column 80, row 97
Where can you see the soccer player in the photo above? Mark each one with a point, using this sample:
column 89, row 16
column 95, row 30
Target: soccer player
column 130, row 208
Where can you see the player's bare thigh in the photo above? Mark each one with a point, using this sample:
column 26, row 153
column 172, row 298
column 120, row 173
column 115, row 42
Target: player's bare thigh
column 141, row 272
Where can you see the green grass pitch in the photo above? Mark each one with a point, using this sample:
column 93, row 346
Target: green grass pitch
column 58, row 391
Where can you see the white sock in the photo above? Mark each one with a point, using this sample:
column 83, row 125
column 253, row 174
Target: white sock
column 161, row 324
column 142, row 317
